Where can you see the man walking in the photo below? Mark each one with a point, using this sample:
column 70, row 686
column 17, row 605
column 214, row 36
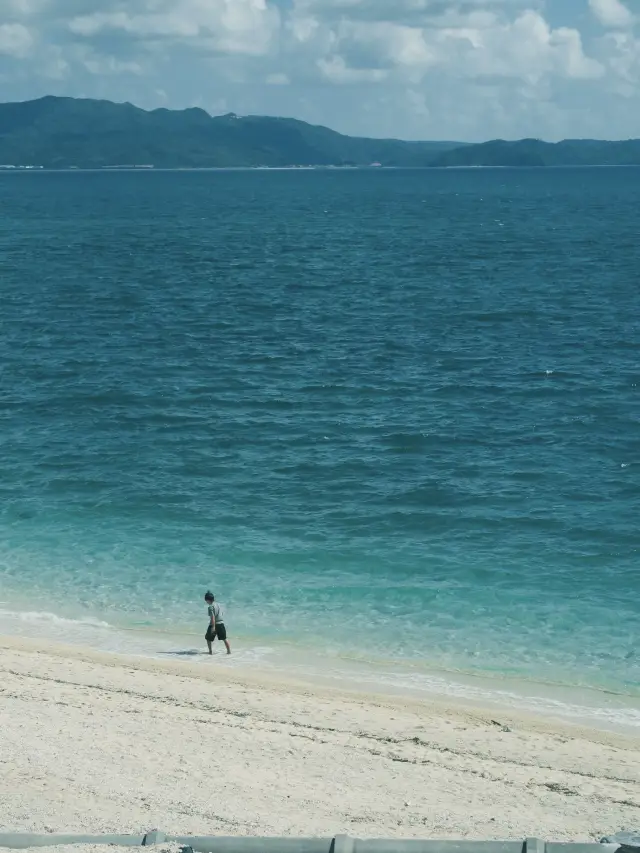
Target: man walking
column 216, row 627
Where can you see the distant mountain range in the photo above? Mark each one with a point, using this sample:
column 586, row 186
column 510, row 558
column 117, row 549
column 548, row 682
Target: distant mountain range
column 62, row 133
column 65, row 132
column 535, row 152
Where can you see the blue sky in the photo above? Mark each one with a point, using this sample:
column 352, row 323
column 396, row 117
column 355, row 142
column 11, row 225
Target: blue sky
column 417, row 69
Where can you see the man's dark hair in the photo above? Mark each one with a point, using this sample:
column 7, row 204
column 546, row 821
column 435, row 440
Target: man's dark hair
column 209, row 596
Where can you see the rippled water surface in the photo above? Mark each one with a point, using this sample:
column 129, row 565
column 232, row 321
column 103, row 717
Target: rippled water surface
column 392, row 416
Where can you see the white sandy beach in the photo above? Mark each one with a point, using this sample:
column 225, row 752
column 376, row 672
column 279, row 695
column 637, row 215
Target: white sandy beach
column 96, row 743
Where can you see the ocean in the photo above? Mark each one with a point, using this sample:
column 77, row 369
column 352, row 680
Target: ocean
column 390, row 417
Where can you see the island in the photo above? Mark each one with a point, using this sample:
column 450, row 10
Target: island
column 77, row 133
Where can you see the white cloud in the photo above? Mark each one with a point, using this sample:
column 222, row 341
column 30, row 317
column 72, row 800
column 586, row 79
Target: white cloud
column 233, row 26
column 56, row 68
column 336, row 70
column 278, row 79
column 417, row 103
column 525, row 48
column 20, row 8
column 15, row 40
column 110, row 65
column 416, row 68
column 612, row 13
column 621, row 51
column 385, row 45
column 448, row 12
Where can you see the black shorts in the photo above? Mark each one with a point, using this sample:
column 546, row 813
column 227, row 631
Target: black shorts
column 220, row 632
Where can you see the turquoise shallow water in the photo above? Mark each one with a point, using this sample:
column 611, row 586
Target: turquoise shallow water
column 392, row 418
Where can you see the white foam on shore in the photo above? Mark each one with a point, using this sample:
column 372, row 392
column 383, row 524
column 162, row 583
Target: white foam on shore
column 585, row 706
column 39, row 617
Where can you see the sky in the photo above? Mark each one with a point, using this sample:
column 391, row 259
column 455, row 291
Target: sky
column 414, row 69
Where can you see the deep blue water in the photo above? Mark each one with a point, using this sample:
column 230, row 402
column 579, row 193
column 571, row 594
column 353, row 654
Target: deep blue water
column 392, row 415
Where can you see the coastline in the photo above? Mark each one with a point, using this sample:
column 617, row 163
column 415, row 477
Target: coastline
column 49, row 170
column 101, row 742
column 590, row 705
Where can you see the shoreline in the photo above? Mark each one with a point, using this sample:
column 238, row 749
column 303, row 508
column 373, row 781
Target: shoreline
column 277, row 680
column 98, row 742
column 593, row 706
column 310, row 168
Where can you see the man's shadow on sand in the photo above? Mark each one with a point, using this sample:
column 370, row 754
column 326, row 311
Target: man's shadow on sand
column 185, row 653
